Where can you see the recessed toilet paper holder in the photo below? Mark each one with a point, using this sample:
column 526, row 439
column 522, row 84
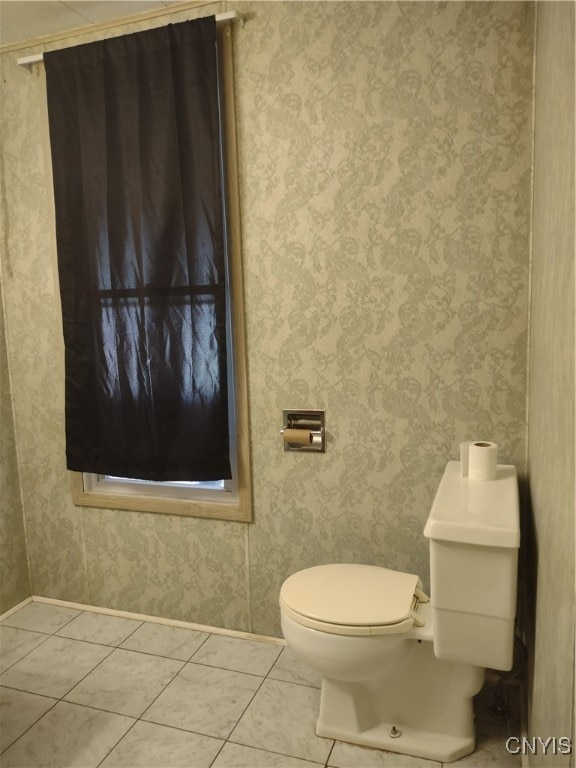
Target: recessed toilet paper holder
column 304, row 430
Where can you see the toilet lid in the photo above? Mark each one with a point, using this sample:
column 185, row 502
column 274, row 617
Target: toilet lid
column 350, row 594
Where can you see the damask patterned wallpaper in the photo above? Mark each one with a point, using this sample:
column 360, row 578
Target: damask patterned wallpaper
column 385, row 160
column 385, row 156
column 13, row 563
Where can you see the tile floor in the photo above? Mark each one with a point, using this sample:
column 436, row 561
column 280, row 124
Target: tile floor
column 87, row 689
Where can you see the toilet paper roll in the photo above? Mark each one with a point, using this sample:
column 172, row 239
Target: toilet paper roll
column 482, row 460
column 298, row 436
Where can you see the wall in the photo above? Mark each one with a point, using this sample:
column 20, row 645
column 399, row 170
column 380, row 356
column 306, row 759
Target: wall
column 13, row 560
column 385, row 154
column 551, row 416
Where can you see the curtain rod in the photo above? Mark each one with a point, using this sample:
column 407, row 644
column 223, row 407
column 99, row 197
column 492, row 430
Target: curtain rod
column 221, row 19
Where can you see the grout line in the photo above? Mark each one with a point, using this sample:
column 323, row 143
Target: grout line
column 174, row 676
column 202, row 644
column 275, row 752
column 224, row 740
column 130, row 635
column 31, row 693
column 77, row 683
column 46, row 637
column 327, row 761
column 182, row 730
column 118, row 742
column 112, row 648
column 217, row 754
column 245, row 708
column 31, row 724
column 68, row 622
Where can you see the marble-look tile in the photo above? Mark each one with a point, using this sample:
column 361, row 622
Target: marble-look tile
column 351, row 756
column 126, row 682
column 204, row 699
column 15, row 644
column 18, row 711
column 282, row 718
column 238, row 756
column 54, row 667
column 99, row 628
column 162, row 640
column 290, row 669
column 148, row 745
column 67, row 736
column 41, row 617
column 239, row 655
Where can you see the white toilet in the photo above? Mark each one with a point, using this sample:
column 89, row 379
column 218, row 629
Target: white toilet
column 399, row 671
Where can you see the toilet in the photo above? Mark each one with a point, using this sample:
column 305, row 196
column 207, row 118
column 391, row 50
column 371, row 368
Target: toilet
column 399, row 669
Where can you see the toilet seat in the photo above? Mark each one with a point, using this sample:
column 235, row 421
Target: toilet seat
column 352, row 599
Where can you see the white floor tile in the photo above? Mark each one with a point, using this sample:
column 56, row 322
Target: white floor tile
column 54, row 667
column 163, row 640
column 191, row 689
column 237, row 654
column 126, row 683
column 18, row 711
column 238, row 756
column 68, row 736
column 291, row 670
column 282, row 718
column 99, row 628
column 147, row 745
column 41, row 617
column 204, row 699
column 16, row 643
column 351, row 756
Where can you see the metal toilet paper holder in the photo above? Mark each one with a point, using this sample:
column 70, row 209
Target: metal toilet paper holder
column 304, row 431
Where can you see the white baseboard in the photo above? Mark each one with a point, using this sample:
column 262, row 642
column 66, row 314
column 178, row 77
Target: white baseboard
column 144, row 617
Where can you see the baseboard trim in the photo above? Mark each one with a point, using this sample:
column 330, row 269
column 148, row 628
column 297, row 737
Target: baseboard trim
column 152, row 619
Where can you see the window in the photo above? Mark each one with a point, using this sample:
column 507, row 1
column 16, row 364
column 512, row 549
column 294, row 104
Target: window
column 217, row 498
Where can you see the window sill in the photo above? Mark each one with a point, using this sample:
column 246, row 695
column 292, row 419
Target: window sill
column 238, row 510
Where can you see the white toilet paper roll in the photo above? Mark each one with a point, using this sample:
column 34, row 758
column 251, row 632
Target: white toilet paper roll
column 482, row 460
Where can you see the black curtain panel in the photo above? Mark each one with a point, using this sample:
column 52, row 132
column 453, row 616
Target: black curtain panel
column 134, row 133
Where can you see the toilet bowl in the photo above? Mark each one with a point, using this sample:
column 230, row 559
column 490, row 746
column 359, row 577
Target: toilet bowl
column 399, row 671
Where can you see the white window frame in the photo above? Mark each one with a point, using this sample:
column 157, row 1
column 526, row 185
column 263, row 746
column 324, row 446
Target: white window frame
column 234, row 500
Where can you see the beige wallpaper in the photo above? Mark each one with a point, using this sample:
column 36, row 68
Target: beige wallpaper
column 14, row 579
column 551, row 413
column 385, row 155
column 385, row 151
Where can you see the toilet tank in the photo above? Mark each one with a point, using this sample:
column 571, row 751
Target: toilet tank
column 474, row 532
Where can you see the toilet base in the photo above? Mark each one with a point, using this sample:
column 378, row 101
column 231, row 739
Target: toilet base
column 411, row 741
column 423, row 707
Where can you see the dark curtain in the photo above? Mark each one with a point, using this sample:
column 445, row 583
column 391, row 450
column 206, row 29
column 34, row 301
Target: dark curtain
column 134, row 132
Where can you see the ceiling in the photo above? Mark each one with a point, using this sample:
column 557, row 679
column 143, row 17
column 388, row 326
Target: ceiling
column 22, row 20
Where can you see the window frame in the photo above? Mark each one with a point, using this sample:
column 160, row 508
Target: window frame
column 235, row 504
